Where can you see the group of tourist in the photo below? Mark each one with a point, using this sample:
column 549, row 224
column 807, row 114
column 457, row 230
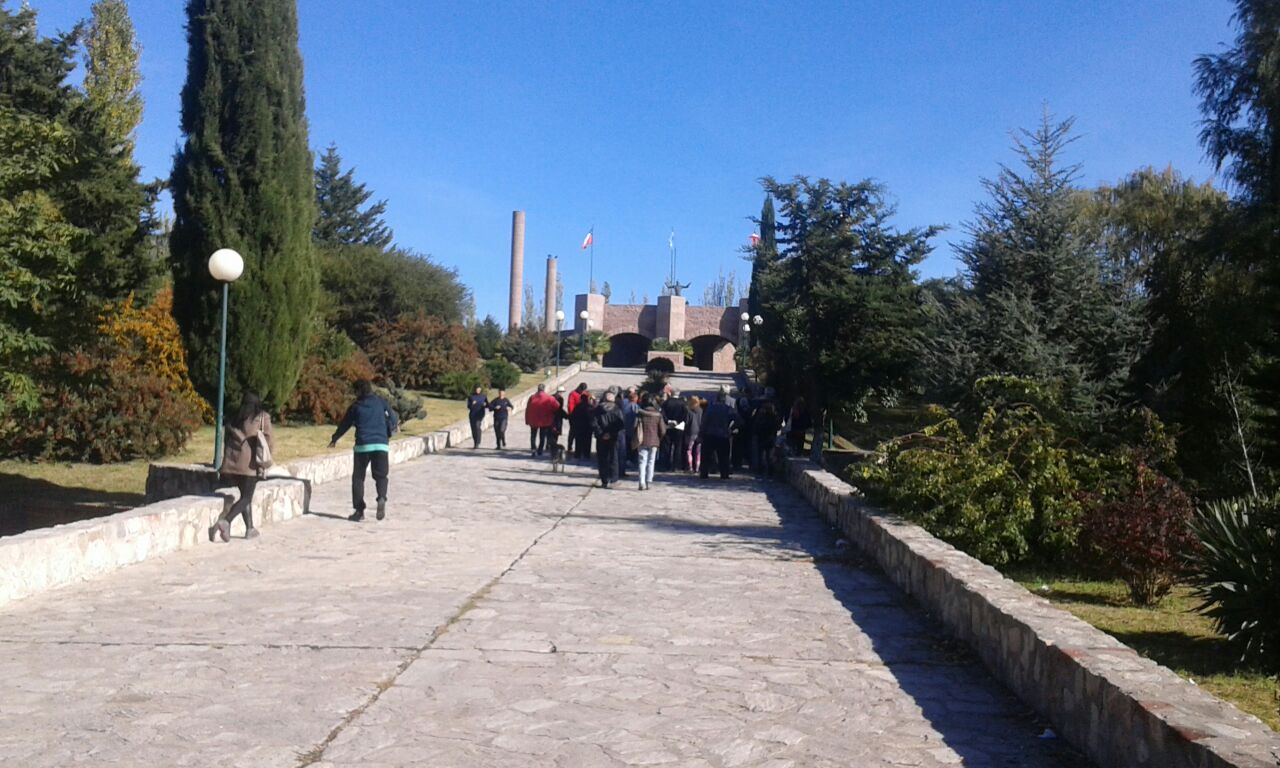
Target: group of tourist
column 650, row 432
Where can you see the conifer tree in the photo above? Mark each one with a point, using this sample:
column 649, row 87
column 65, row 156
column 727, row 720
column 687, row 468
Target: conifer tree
column 111, row 78
column 763, row 255
column 339, row 219
column 243, row 179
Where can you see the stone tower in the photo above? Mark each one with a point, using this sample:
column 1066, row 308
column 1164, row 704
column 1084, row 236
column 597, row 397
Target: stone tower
column 551, row 294
column 517, row 271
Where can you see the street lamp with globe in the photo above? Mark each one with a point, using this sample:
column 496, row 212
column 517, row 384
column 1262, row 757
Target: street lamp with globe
column 225, row 266
column 559, row 322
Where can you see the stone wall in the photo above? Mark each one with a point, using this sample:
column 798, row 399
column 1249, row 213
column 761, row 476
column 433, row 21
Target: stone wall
column 1117, row 707
column 45, row 558
column 188, row 503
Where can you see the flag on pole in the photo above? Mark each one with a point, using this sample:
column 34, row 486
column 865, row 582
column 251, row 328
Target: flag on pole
column 586, row 242
column 671, row 241
column 755, row 239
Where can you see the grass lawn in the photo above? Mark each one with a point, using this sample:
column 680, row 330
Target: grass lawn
column 38, row 495
column 1169, row 633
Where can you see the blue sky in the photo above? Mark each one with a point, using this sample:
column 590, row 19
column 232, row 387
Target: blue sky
column 640, row 118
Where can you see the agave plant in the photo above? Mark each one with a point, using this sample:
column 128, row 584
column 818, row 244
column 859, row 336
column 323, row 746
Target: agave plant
column 1236, row 573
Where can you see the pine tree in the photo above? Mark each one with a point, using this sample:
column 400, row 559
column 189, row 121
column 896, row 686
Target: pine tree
column 244, row 180
column 763, row 255
column 339, row 219
column 110, row 201
column 606, row 292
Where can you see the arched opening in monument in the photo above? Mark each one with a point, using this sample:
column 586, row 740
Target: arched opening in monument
column 627, row 350
column 712, row 353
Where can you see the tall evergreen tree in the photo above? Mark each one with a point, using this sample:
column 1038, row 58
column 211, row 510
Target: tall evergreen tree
column 764, row 254
column 1046, row 306
column 243, row 179
column 339, row 220
column 111, row 201
column 1240, row 93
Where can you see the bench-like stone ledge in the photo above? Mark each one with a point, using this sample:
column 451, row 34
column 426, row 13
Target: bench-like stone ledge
column 1115, row 706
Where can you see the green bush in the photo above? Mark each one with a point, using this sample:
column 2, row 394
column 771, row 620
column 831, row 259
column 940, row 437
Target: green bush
column 457, row 385
column 1010, row 490
column 407, row 405
column 501, row 374
column 529, row 349
column 1236, row 573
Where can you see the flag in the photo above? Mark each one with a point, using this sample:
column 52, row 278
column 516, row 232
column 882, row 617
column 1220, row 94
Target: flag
column 671, row 241
column 755, row 239
column 586, row 242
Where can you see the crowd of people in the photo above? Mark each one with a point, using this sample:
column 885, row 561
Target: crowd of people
column 627, row 430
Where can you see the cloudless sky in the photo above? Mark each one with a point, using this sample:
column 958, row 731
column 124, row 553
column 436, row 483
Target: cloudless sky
column 639, row 118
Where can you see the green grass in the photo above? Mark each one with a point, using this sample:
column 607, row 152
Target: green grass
column 38, row 495
column 1169, row 633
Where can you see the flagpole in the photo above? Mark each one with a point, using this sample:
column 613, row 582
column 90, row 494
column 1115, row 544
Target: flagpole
column 591, row 279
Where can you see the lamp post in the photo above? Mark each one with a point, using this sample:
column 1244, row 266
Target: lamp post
column 559, row 322
column 226, row 266
column 582, row 337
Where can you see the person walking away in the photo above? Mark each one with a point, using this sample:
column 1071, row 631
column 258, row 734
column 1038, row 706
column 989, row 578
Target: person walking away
column 538, row 415
column 651, row 427
column 692, row 433
column 798, row 423
column 558, row 417
column 248, row 443
column 718, row 423
column 501, row 408
column 477, row 407
column 375, row 423
column 571, row 405
column 628, row 407
column 630, row 410
column 741, row 448
column 675, row 412
column 580, row 422
column 606, row 425
column 766, row 424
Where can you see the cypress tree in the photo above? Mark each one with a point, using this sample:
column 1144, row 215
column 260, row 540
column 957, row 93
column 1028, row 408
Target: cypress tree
column 763, row 255
column 243, row 180
column 338, row 199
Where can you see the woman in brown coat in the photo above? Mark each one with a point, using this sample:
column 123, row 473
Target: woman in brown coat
column 246, row 456
column 650, row 429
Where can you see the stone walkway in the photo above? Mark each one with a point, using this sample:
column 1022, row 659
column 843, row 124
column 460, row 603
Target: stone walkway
column 506, row 616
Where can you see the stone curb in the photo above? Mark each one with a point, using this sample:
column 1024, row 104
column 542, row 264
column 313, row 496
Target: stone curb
column 46, row 558
column 1116, row 706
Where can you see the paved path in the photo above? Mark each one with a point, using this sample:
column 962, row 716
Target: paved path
column 505, row 616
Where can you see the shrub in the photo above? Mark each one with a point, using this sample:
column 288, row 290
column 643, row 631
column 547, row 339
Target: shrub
column 666, row 345
column 324, row 391
column 407, row 405
column 1236, row 573
column 529, row 349
column 1010, row 490
column 1142, row 535
column 457, row 385
column 655, row 380
column 501, row 374
column 417, row 350
column 123, row 395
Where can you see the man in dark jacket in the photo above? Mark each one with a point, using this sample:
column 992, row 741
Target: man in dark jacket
column 375, row 422
column 607, row 425
column 672, row 456
column 477, row 407
column 501, row 408
column 718, row 422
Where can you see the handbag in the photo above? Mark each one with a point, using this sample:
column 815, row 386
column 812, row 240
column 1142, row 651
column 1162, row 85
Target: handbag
column 262, row 448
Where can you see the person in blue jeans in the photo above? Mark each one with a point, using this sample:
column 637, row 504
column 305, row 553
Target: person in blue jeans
column 375, row 422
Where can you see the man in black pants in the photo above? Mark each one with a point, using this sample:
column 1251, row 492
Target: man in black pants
column 375, row 422
column 501, row 408
column 717, row 429
column 606, row 426
column 477, row 407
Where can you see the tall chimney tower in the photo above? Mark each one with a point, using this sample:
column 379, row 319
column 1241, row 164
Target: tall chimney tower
column 551, row 293
column 517, row 270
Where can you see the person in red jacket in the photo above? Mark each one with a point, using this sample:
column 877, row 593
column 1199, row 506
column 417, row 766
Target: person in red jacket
column 571, row 403
column 539, row 415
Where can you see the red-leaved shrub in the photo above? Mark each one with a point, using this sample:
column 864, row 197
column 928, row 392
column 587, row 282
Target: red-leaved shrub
column 417, row 350
column 1144, row 535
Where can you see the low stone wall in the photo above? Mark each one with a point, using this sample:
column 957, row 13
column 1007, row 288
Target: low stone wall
column 1118, row 707
column 45, row 558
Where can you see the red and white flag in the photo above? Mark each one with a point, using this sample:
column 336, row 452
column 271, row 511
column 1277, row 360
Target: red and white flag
column 755, row 239
column 586, row 242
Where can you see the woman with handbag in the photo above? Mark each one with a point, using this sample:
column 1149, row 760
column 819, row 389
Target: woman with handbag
column 246, row 458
